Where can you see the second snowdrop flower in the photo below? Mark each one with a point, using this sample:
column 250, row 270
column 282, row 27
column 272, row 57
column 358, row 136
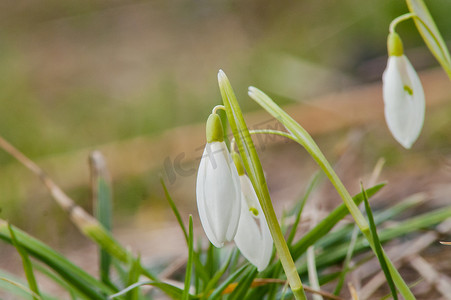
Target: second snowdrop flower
column 403, row 95
column 253, row 237
column 218, row 189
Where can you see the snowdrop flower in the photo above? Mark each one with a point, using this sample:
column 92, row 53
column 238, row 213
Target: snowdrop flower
column 253, row 237
column 403, row 95
column 218, row 189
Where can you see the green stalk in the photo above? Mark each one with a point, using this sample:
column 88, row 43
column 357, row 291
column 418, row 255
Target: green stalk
column 424, row 29
column 378, row 246
column 85, row 222
column 254, row 169
column 26, row 262
column 305, row 140
column 430, row 33
column 73, row 275
column 102, row 203
column 189, row 264
column 347, row 261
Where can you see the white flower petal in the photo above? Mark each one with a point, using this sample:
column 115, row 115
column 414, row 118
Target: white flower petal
column 253, row 237
column 218, row 194
column 404, row 100
column 248, row 192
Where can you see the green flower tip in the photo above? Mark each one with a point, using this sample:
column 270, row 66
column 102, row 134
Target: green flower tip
column 215, row 133
column 394, row 44
column 222, row 77
column 238, row 164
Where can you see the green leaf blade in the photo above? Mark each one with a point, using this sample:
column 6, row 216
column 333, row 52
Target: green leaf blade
column 244, row 285
column 378, row 247
column 430, row 33
column 323, row 227
column 174, row 209
column 102, row 203
column 189, row 264
column 254, row 170
column 73, row 275
column 27, row 266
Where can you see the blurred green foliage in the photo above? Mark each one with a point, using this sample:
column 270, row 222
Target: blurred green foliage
column 77, row 74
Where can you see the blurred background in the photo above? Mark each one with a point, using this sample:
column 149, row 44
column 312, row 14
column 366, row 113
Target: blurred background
column 137, row 79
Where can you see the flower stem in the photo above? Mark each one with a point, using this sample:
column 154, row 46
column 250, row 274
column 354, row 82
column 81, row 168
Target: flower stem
column 305, row 140
column 264, row 131
column 282, row 249
column 400, row 19
column 254, row 170
column 215, row 109
column 411, row 15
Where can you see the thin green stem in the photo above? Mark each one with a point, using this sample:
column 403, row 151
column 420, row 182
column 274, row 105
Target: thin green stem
column 305, row 140
column 445, row 65
column 216, row 108
column 400, row 19
column 274, row 132
column 254, row 169
column 414, row 16
column 411, row 15
column 265, row 131
column 347, row 261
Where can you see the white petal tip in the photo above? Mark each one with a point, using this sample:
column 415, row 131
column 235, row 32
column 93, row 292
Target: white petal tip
column 218, row 245
column 407, row 146
column 404, row 141
column 261, row 269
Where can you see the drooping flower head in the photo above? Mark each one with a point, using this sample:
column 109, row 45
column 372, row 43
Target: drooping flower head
column 218, row 189
column 253, row 237
column 403, row 95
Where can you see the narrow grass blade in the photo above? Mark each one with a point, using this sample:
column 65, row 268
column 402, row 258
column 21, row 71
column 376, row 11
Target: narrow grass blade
column 343, row 233
column 21, row 287
column 73, row 275
column 87, row 224
column 310, row 187
column 218, row 291
column 120, row 271
column 133, row 276
column 284, row 292
column 272, row 289
column 431, row 35
column 378, row 246
column 170, row 290
column 201, row 272
column 302, row 137
column 73, row 293
column 336, row 254
column 320, row 231
column 189, row 263
column 212, row 261
column 345, row 267
column 215, row 278
column 27, row 266
column 326, row 278
column 312, row 273
column 305, row 140
column 244, row 285
column 102, row 203
column 254, row 170
column 174, row 209
column 323, row 227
